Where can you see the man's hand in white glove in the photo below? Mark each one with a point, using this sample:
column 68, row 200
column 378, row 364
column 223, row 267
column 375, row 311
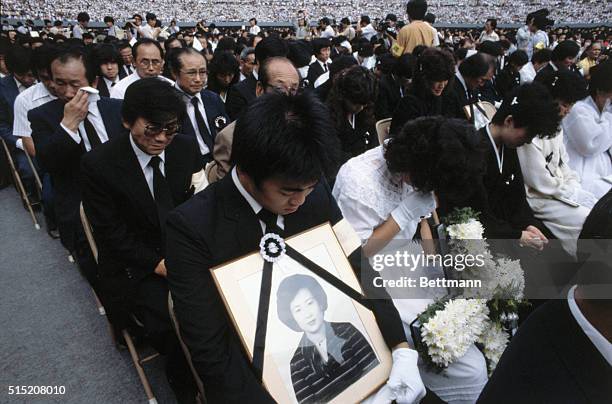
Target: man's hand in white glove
column 414, row 206
column 405, row 380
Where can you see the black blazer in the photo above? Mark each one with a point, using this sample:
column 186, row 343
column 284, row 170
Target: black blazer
column 413, row 106
column 454, row 100
column 59, row 155
column 550, row 360
column 218, row 225
column 314, row 71
column 120, row 207
column 389, row 96
column 103, row 88
column 215, row 114
column 239, row 97
column 8, row 93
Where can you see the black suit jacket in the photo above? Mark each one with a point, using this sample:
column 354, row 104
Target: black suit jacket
column 314, row 71
column 389, row 96
column 550, row 360
column 59, row 155
column 103, row 88
column 215, row 115
column 120, row 207
column 239, row 97
column 218, row 225
column 454, row 100
column 8, row 93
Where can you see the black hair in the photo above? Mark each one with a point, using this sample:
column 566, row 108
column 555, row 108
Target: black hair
column 404, row 67
column 341, row 63
column 19, row 60
column 287, row 137
column 518, row 58
column 270, row 46
column 441, row 155
column 105, row 53
column 42, row 57
column 565, row 49
column 226, row 43
column 154, row 100
column 108, row 18
column 150, row 16
column 532, row 107
column 477, row 65
column 174, row 39
column 67, row 52
column 222, row 63
column 88, row 35
column 430, row 18
column 289, row 288
column 433, row 65
column 491, row 48
column 365, row 18
column 146, row 41
column 541, row 21
column 83, row 17
column 601, row 78
column 345, row 21
column 416, row 9
column 318, row 44
column 122, row 45
column 299, row 53
column 253, row 19
column 325, row 21
column 493, row 22
column 564, row 85
column 541, row 56
column 356, row 85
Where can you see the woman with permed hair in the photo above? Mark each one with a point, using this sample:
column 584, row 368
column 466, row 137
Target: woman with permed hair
column 223, row 73
column 434, row 69
column 385, row 193
column 351, row 101
column 330, row 356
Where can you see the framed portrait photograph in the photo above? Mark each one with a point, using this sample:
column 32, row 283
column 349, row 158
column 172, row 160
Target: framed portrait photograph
column 321, row 345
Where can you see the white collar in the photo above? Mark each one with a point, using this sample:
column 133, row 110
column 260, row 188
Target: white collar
column 198, row 95
column 40, row 91
column 256, row 206
column 555, row 68
column 110, row 82
column 19, row 85
column 601, row 343
column 500, row 159
column 143, row 158
column 462, row 81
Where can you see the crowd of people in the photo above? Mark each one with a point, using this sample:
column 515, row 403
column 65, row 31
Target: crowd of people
column 185, row 146
column 574, row 11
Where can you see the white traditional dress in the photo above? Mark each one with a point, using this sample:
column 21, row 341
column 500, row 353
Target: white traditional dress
column 588, row 140
column 367, row 193
column 553, row 189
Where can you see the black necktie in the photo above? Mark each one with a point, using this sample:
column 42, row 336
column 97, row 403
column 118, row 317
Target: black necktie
column 161, row 191
column 204, row 133
column 129, row 69
column 113, row 83
column 92, row 135
column 324, row 67
column 270, row 219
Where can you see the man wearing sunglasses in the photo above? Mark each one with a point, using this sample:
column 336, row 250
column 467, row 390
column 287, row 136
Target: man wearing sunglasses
column 129, row 186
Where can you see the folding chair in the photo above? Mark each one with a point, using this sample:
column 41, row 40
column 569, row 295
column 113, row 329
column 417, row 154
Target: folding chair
column 382, row 129
column 136, row 359
column 201, row 394
column 19, row 184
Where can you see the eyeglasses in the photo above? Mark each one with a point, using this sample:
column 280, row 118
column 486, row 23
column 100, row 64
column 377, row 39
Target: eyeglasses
column 155, row 129
column 195, row 73
column 148, row 63
column 285, row 90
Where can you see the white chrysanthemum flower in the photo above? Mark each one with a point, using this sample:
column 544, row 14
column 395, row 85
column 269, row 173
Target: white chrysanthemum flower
column 495, row 340
column 470, row 230
column 510, row 278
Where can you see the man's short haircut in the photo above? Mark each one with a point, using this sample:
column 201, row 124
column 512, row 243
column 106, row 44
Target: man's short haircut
column 430, row 18
column 491, row 48
column 320, row 43
column 66, row 53
column 289, row 288
column 144, row 42
column 565, row 49
column 564, row 85
column 174, row 57
column 416, row 9
column 19, row 60
column 42, row 56
column 440, row 154
column 324, row 21
column 269, row 47
column 601, row 78
column 108, row 18
column 365, row 19
column 391, row 17
column 345, row 21
column 254, row 20
column 493, row 22
column 518, row 58
column 541, row 56
column 532, row 107
column 83, row 17
column 477, row 65
column 150, row 16
column 286, row 137
column 122, row 45
column 153, row 99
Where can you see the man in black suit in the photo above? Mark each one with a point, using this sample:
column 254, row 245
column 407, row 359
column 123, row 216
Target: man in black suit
column 321, row 48
column 563, row 352
column 243, row 93
column 205, row 110
column 282, row 149
column 127, row 67
column 108, row 63
column 65, row 129
column 129, row 186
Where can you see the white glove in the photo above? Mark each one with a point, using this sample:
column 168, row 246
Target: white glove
column 405, row 380
column 414, row 206
column 384, row 395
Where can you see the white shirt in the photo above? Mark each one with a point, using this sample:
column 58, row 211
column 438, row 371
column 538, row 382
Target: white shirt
column 191, row 113
column 30, row 98
column 588, row 140
column 368, row 32
column 118, row 91
column 77, row 32
column 324, row 66
column 256, row 206
column 254, row 30
column 144, row 159
column 601, row 343
column 463, row 83
column 20, row 87
column 328, row 32
column 488, row 37
column 109, row 84
column 527, row 73
column 147, row 31
column 95, row 118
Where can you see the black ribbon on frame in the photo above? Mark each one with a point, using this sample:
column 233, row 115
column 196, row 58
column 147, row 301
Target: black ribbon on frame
column 264, row 301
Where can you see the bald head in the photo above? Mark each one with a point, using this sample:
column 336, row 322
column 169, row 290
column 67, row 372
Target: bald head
column 278, row 74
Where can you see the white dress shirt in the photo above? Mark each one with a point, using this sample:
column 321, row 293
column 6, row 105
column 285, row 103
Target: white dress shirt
column 204, row 150
column 118, row 91
column 256, row 206
column 368, row 32
column 254, row 30
column 95, row 117
column 147, row 31
column 32, row 97
column 20, row 87
column 144, row 159
column 601, row 343
column 109, row 83
column 527, row 73
column 328, row 32
column 588, row 140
